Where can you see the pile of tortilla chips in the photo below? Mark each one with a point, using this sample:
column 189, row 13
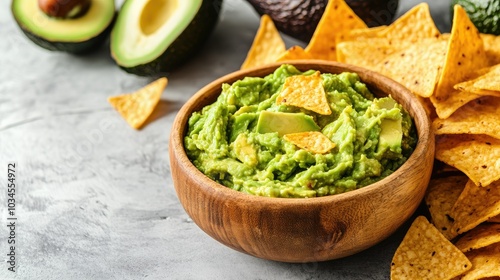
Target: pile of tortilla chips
column 457, row 78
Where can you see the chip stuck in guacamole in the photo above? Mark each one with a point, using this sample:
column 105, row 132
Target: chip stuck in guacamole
column 273, row 136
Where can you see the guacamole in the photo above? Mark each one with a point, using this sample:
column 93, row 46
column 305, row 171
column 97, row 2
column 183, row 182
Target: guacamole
column 236, row 142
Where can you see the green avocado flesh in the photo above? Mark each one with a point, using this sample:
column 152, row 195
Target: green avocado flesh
column 285, row 123
column 239, row 142
column 155, row 36
column 75, row 35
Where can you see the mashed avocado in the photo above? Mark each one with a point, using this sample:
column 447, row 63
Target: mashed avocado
column 372, row 136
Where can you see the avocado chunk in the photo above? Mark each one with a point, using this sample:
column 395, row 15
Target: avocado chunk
column 385, row 103
column 300, row 18
column 285, row 123
column 77, row 35
column 391, row 133
column 152, row 37
column 245, row 151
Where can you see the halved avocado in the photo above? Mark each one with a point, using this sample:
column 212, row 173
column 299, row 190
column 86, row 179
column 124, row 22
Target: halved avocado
column 156, row 36
column 74, row 35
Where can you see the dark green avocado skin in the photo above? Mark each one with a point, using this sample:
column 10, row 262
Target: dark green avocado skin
column 186, row 45
column 78, row 48
column 300, row 18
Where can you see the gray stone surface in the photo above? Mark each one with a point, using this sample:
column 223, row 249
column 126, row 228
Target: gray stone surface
column 95, row 198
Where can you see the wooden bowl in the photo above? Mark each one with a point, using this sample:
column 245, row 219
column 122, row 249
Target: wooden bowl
column 303, row 229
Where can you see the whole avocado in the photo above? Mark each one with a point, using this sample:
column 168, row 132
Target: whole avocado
column 300, row 18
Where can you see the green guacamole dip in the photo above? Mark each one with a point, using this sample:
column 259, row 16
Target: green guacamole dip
column 224, row 142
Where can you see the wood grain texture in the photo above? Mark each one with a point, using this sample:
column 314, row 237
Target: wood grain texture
column 303, row 230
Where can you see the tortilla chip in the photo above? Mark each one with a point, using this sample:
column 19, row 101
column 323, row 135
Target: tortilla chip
column 418, row 66
column 337, row 19
column 136, row 107
column 480, row 116
column 368, row 53
column 414, row 25
column 361, row 34
column 454, row 101
column 487, row 82
column 428, row 106
column 485, row 263
column 306, row 92
column 465, row 54
column 312, row 141
column 445, row 36
column 469, row 87
column 294, row 53
column 440, row 198
column 442, row 169
column 425, row 253
column 478, row 156
column 475, row 205
column 267, row 45
column 481, row 236
column 495, row 219
column 492, row 48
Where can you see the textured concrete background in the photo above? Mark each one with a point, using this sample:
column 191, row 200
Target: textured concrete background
column 95, row 197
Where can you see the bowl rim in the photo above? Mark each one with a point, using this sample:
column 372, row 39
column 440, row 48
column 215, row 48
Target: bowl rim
column 176, row 145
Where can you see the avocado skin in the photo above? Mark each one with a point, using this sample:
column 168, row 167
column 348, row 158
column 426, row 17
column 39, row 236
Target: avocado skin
column 300, row 18
column 375, row 12
column 188, row 43
column 295, row 18
column 76, row 48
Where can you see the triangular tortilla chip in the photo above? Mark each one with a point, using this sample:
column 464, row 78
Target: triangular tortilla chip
column 445, row 36
column 440, row 169
column 485, row 263
column 425, row 253
column 440, row 198
column 306, row 92
column 414, row 25
column 312, row 141
column 136, row 107
column 492, row 48
column 337, row 19
column 464, row 55
column 368, row 53
column 475, row 205
column 469, row 87
column 481, row 236
column 294, row 53
column 418, row 66
column 480, row 116
column 478, row 156
column 495, row 219
column 361, row 34
column 488, row 83
column 267, row 45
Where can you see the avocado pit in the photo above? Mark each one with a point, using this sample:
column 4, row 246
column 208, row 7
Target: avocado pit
column 64, row 8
